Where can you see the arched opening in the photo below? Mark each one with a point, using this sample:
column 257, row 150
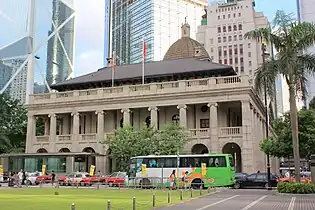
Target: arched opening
column 235, row 150
column 64, row 150
column 199, row 149
column 42, row 150
column 90, row 159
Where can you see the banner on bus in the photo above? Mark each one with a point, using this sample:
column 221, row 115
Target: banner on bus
column 92, row 170
column 43, row 169
column 1, row 170
column 203, row 169
column 144, row 169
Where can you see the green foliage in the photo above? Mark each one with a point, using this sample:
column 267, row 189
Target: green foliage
column 281, row 145
column 295, row 188
column 13, row 123
column 128, row 142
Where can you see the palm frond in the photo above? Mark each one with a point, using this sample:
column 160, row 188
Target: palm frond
column 307, row 62
column 266, row 76
column 302, row 35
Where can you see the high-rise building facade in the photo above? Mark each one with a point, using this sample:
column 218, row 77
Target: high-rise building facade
column 307, row 14
column 223, row 34
column 60, row 50
column 156, row 21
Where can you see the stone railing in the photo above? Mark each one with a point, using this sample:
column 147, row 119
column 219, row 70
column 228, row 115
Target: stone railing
column 42, row 138
column 230, row 131
column 201, row 132
column 88, row 137
column 211, row 83
column 65, row 137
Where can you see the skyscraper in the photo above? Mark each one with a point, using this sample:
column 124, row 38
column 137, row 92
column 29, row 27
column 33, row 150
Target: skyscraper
column 307, row 14
column 60, row 50
column 156, row 21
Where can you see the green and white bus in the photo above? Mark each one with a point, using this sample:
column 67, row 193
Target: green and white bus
column 205, row 170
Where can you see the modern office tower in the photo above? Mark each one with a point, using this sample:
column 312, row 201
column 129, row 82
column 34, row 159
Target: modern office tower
column 13, row 56
column 60, row 50
column 158, row 22
column 307, row 14
column 107, row 31
column 5, row 75
column 222, row 33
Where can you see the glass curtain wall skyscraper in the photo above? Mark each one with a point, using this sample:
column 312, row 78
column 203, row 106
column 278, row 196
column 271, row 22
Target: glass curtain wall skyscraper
column 60, row 50
column 157, row 21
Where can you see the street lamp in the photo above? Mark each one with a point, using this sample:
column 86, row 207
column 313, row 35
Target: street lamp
column 264, row 55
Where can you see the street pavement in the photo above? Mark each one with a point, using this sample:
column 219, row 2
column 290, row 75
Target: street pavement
column 247, row 199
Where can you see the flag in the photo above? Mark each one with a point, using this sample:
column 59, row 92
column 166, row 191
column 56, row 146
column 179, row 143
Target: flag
column 144, row 54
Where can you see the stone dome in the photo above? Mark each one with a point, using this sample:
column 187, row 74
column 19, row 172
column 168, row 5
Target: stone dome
column 186, row 47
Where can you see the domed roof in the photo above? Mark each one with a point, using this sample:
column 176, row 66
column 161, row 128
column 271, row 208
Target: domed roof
column 186, row 47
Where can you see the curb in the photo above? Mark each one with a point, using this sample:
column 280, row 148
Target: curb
column 186, row 201
column 294, row 195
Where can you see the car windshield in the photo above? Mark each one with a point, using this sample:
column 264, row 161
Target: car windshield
column 113, row 174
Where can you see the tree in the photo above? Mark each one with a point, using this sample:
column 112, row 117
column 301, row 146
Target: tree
column 128, row 142
column 281, row 145
column 13, row 123
column 290, row 40
column 312, row 103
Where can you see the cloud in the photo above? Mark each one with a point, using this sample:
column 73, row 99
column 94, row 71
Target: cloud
column 87, row 62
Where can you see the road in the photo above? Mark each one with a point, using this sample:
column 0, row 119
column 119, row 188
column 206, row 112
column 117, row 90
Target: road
column 228, row 199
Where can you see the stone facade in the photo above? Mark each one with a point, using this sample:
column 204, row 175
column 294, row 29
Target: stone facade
column 221, row 114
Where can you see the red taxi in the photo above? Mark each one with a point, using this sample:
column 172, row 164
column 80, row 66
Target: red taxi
column 116, row 179
column 43, row 179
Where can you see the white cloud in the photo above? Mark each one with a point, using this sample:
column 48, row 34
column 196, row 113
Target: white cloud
column 87, row 62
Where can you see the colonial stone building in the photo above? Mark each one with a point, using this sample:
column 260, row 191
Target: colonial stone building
column 219, row 109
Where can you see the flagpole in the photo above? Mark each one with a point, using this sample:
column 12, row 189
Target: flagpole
column 143, row 58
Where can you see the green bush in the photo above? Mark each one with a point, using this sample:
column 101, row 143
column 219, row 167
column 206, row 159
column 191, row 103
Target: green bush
column 295, row 188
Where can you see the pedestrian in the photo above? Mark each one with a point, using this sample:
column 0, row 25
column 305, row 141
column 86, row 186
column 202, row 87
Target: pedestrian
column 20, row 178
column 53, row 177
column 173, row 180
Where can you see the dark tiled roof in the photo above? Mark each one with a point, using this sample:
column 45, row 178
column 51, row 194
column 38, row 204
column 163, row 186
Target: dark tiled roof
column 152, row 69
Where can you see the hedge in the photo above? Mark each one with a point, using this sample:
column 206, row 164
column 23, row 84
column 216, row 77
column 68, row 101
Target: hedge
column 296, row 188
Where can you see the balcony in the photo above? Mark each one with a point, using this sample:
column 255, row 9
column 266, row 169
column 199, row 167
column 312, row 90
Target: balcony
column 41, row 139
column 88, row 137
column 199, row 133
column 64, row 138
column 230, row 131
column 213, row 83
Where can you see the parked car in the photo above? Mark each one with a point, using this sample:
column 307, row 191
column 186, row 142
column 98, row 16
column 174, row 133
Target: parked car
column 43, row 179
column 240, row 176
column 116, row 179
column 77, row 178
column 31, row 178
column 256, row 180
column 95, row 179
column 62, row 180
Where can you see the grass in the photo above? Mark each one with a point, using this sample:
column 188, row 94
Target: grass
column 86, row 199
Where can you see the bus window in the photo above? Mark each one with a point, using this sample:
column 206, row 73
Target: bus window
column 160, row 162
column 170, row 162
column 218, row 161
column 231, row 162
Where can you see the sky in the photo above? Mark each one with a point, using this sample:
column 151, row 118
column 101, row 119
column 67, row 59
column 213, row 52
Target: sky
column 89, row 28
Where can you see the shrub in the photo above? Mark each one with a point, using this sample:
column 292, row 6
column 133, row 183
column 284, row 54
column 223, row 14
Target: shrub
column 295, row 188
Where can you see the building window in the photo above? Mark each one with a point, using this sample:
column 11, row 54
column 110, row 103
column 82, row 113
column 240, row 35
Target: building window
column 219, row 39
column 219, row 29
column 220, row 61
column 229, row 28
column 225, row 53
column 219, row 17
column 236, row 60
column 249, row 54
column 231, row 61
column 239, row 14
column 223, row 16
column 225, row 61
column 211, row 49
column 230, row 38
column 240, row 27
column 241, row 51
column 236, row 68
column 234, row 15
column 242, row 69
column 249, row 63
column 240, row 37
column 242, row 60
column 235, row 37
column 224, row 39
column 229, row 16
column 220, row 52
column 234, row 28
column 249, row 45
column 204, row 123
column 235, row 51
column 224, row 28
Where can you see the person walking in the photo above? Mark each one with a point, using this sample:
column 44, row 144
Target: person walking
column 173, row 180
column 53, row 178
column 20, row 178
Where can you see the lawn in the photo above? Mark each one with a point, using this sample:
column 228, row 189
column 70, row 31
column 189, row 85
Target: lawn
column 85, row 199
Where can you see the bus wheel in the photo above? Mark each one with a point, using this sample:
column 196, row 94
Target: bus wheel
column 197, row 183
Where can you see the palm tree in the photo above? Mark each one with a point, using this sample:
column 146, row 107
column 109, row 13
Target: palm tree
column 290, row 39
